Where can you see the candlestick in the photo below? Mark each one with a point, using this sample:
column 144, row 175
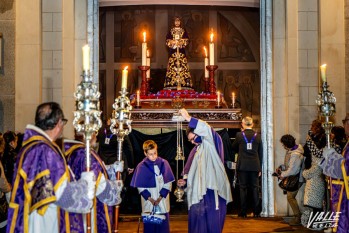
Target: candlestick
column 124, row 78
column 211, row 50
column 138, row 97
column 148, row 63
column 206, row 70
column 323, row 72
column 86, row 58
column 144, row 49
column 218, row 97
column 233, row 99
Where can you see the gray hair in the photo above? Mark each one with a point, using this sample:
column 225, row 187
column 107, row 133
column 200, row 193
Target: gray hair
column 248, row 121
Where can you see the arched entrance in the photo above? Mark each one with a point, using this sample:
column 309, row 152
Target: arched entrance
column 265, row 76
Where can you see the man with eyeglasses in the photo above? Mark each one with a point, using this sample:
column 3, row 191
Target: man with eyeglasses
column 336, row 166
column 207, row 184
column 42, row 192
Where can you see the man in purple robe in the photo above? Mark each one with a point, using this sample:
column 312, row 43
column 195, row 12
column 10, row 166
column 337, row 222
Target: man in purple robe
column 207, row 184
column 42, row 193
column 336, row 166
column 107, row 191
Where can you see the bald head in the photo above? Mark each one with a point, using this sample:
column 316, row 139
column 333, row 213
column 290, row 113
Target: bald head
column 48, row 115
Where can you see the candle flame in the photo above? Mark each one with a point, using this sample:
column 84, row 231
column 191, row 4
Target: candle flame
column 211, row 37
column 205, row 51
column 126, row 67
column 324, row 65
column 144, row 36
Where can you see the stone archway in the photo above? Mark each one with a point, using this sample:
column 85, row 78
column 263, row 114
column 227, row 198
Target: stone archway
column 268, row 198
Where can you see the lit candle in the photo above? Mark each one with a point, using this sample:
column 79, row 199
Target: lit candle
column 148, row 63
column 206, row 63
column 211, row 48
column 233, row 99
column 86, row 58
column 144, row 49
column 218, row 97
column 138, row 97
column 124, row 77
column 323, row 72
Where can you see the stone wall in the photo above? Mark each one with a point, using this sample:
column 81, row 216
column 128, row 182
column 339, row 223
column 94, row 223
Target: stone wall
column 7, row 73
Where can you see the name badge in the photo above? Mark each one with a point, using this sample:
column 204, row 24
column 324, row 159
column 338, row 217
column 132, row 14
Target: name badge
column 106, row 141
column 249, row 146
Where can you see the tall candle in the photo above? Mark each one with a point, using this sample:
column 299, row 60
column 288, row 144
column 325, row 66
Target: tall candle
column 144, row 49
column 233, row 99
column 323, row 72
column 124, row 77
column 138, row 97
column 148, row 63
column 206, row 63
column 86, row 58
column 211, row 50
column 218, row 97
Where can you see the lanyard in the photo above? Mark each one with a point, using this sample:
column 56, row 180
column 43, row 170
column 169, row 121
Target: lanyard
column 107, row 139
column 249, row 143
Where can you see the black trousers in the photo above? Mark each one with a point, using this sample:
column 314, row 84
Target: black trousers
column 248, row 179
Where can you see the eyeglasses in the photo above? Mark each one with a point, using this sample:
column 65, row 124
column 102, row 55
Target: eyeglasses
column 64, row 121
column 193, row 138
column 345, row 121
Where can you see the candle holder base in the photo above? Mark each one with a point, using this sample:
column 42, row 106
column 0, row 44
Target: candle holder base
column 137, row 106
column 218, row 106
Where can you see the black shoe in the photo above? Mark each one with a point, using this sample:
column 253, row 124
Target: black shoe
column 242, row 215
column 256, row 215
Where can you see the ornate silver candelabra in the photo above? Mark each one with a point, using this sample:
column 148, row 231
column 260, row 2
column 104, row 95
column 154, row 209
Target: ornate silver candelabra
column 121, row 116
column 87, row 117
column 327, row 107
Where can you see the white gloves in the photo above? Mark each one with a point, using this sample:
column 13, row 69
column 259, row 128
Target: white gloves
column 328, row 151
column 118, row 166
column 89, row 177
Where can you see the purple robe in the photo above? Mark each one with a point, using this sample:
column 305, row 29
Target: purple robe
column 340, row 187
column 103, row 214
column 203, row 217
column 40, row 170
column 144, row 177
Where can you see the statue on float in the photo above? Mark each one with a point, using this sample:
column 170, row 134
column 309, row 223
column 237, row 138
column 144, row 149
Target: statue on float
column 177, row 75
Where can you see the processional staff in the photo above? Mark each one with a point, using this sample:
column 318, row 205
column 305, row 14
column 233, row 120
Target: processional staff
column 121, row 116
column 87, row 115
column 327, row 108
column 326, row 105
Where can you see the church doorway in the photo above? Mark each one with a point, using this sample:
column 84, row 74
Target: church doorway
column 238, row 55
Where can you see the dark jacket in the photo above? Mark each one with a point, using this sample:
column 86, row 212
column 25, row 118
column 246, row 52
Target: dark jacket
column 248, row 160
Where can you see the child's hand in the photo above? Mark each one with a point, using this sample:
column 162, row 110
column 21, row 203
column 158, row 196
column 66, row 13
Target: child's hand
column 152, row 201
column 157, row 201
